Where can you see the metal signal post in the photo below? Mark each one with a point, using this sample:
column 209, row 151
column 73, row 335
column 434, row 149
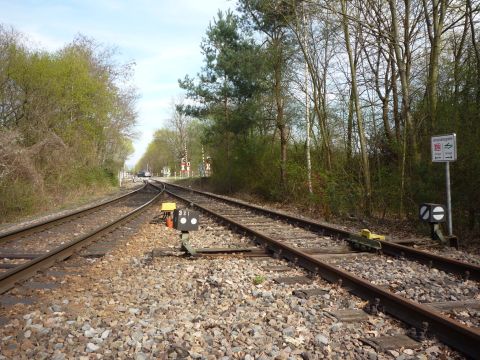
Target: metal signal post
column 449, row 199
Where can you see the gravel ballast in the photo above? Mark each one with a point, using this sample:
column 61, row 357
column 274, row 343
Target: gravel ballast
column 129, row 305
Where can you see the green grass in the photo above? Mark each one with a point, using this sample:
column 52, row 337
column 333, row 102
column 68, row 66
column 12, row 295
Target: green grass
column 258, row 279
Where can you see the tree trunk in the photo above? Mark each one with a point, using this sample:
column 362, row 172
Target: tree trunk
column 229, row 165
column 476, row 49
column 402, row 59
column 323, row 120
column 280, row 121
column 318, row 85
column 457, row 56
column 307, row 107
column 350, row 127
column 322, row 124
column 432, row 84
column 358, row 112
column 435, row 29
column 307, row 123
column 396, row 117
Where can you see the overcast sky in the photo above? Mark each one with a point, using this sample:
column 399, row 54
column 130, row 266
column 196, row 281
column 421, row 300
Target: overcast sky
column 162, row 37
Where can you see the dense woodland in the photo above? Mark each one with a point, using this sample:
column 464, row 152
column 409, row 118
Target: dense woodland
column 332, row 104
column 66, row 119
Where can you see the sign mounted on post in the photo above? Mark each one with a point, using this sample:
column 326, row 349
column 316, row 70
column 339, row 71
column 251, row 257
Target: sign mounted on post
column 444, row 148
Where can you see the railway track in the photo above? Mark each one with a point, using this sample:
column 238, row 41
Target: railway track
column 310, row 244
column 25, row 251
column 37, row 226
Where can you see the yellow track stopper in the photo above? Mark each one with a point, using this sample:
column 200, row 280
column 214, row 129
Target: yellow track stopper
column 369, row 235
column 168, row 206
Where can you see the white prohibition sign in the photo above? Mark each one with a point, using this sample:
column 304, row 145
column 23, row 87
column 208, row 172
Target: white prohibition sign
column 424, row 213
column 183, row 220
column 193, row 221
column 438, row 213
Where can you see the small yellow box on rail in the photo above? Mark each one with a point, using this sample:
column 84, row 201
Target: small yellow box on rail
column 371, row 236
column 168, row 206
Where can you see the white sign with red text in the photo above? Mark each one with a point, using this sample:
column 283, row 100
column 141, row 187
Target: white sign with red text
column 444, row 148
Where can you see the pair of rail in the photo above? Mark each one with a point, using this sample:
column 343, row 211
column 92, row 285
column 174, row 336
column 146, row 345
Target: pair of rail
column 421, row 317
column 10, row 278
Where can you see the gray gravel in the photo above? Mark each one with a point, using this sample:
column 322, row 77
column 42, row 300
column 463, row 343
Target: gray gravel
column 459, row 255
column 130, row 306
column 402, row 277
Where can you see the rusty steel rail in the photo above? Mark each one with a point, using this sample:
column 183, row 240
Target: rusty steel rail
column 36, row 227
column 449, row 331
column 28, row 269
column 453, row 266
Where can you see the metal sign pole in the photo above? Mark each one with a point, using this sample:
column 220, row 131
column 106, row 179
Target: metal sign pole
column 449, row 198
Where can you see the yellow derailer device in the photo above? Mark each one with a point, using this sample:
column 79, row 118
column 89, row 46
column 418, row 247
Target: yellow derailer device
column 366, row 241
column 371, row 236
